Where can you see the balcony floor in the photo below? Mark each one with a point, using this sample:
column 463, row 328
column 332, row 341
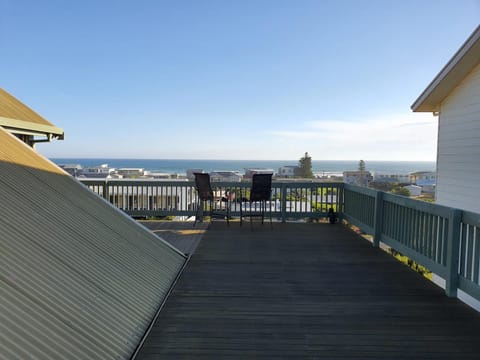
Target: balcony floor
column 316, row 291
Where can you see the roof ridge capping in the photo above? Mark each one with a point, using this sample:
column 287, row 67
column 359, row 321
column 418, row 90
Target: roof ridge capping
column 18, row 118
column 457, row 68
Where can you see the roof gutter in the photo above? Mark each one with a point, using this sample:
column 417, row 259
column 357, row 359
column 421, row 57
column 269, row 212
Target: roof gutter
column 29, row 128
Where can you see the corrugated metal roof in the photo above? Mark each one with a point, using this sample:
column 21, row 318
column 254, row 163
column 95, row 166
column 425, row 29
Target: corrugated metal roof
column 78, row 278
column 14, row 109
column 16, row 115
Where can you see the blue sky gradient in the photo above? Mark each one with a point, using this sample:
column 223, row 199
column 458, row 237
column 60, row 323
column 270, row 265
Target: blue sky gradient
column 263, row 79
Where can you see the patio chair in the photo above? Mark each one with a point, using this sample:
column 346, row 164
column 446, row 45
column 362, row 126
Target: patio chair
column 260, row 194
column 207, row 196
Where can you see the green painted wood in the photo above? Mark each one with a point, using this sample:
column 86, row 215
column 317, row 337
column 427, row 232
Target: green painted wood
column 469, row 253
column 453, row 240
column 416, row 256
column 471, row 218
column 476, row 257
column 436, row 241
column 378, row 222
column 469, row 287
column 463, row 247
column 432, row 240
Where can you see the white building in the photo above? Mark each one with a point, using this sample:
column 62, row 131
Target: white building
column 288, row 171
column 391, row 178
column 427, row 180
column 357, row 177
column 73, row 169
column 249, row 172
column 155, row 175
column 130, row 172
column 225, row 176
column 102, row 171
column 423, row 178
column 454, row 95
column 414, row 190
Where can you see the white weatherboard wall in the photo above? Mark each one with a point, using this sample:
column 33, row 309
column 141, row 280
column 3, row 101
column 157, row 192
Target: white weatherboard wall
column 78, row 278
column 458, row 159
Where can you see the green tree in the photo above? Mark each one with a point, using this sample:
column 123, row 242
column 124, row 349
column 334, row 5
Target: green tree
column 401, row 191
column 361, row 165
column 305, row 167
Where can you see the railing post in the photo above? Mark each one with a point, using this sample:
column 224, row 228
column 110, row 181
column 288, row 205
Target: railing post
column 105, row 190
column 341, row 200
column 378, row 219
column 200, row 210
column 283, row 204
column 453, row 244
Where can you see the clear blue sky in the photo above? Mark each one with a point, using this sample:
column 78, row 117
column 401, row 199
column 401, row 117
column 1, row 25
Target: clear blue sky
column 232, row 79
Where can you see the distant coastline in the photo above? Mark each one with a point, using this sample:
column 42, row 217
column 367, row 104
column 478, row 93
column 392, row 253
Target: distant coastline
column 320, row 167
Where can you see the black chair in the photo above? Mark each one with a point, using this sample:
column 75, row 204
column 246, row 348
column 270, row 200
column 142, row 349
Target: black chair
column 207, row 196
column 260, row 193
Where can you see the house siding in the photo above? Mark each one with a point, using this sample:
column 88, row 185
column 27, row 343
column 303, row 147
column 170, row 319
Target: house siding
column 458, row 158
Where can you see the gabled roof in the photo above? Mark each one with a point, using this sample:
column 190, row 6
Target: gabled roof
column 19, row 118
column 79, row 279
column 459, row 66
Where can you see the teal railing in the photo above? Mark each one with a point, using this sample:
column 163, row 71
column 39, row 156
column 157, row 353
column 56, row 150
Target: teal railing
column 444, row 240
column 146, row 198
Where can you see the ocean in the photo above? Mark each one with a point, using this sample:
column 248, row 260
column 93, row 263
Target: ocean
column 319, row 167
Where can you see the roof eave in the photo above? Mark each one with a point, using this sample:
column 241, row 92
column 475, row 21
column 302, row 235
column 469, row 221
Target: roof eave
column 459, row 66
column 26, row 127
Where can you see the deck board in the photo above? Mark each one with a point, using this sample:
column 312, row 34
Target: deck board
column 181, row 234
column 314, row 291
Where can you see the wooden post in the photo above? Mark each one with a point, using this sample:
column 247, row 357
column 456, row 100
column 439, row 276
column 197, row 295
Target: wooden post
column 200, row 211
column 283, row 204
column 378, row 219
column 105, row 190
column 453, row 243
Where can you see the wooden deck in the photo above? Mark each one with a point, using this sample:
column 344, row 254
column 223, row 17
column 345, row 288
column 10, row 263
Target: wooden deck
column 181, row 234
column 308, row 291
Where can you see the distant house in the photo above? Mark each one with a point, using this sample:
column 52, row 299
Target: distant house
column 391, row 178
column 423, row 178
column 427, row 180
column 130, row 172
column 102, row 171
column 190, row 173
column 73, row 169
column 454, row 95
column 414, row 190
column 357, row 177
column 155, row 175
column 288, row 171
column 249, row 172
column 226, row 176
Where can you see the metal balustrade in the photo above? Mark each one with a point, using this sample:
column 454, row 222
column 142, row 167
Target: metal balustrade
column 444, row 240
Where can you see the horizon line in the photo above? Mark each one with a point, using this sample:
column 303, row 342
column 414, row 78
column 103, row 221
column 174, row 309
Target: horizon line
column 207, row 159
